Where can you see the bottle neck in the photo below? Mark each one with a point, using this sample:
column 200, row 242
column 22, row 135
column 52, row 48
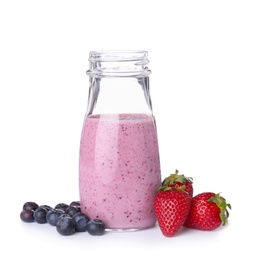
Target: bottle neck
column 119, row 83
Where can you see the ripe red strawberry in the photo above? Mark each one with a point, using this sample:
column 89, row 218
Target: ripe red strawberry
column 175, row 180
column 171, row 208
column 208, row 211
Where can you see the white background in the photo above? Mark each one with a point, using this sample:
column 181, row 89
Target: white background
column 202, row 58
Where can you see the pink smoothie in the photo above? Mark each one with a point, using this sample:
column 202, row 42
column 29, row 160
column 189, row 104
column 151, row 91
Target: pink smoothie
column 119, row 169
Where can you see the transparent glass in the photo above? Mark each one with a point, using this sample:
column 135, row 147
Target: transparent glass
column 119, row 165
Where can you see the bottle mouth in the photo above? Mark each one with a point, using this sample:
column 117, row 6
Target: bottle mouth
column 118, row 55
column 118, row 63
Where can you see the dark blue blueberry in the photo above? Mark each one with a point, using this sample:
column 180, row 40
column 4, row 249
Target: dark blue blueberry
column 62, row 206
column 27, row 215
column 65, row 226
column 75, row 204
column 30, row 205
column 46, row 207
column 95, row 227
column 72, row 210
column 63, row 215
column 81, row 221
column 53, row 215
column 40, row 215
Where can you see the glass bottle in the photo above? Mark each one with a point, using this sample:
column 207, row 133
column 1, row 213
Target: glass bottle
column 119, row 165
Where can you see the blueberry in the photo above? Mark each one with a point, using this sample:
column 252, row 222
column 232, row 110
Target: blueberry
column 27, row 215
column 81, row 221
column 95, row 227
column 63, row 215
column 46, row 207
column 62, row 206
column 72, row 210
column 30, row 206
column 40, row 215
column 75, row 204
column 65, row 225
column 52, row 216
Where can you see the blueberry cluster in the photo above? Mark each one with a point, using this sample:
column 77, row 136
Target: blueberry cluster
column 67, row 219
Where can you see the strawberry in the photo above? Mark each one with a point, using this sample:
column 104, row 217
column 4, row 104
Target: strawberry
column 171, row 208
column 175, row 180
column 208, row 211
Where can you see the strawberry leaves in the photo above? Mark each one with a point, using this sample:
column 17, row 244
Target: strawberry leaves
column 223, row 206
column 177, row 181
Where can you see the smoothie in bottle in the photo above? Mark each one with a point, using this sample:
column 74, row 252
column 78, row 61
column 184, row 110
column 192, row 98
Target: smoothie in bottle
column 119, row 166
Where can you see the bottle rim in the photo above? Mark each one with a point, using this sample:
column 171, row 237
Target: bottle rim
column 118, row 55
column 118, row 63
